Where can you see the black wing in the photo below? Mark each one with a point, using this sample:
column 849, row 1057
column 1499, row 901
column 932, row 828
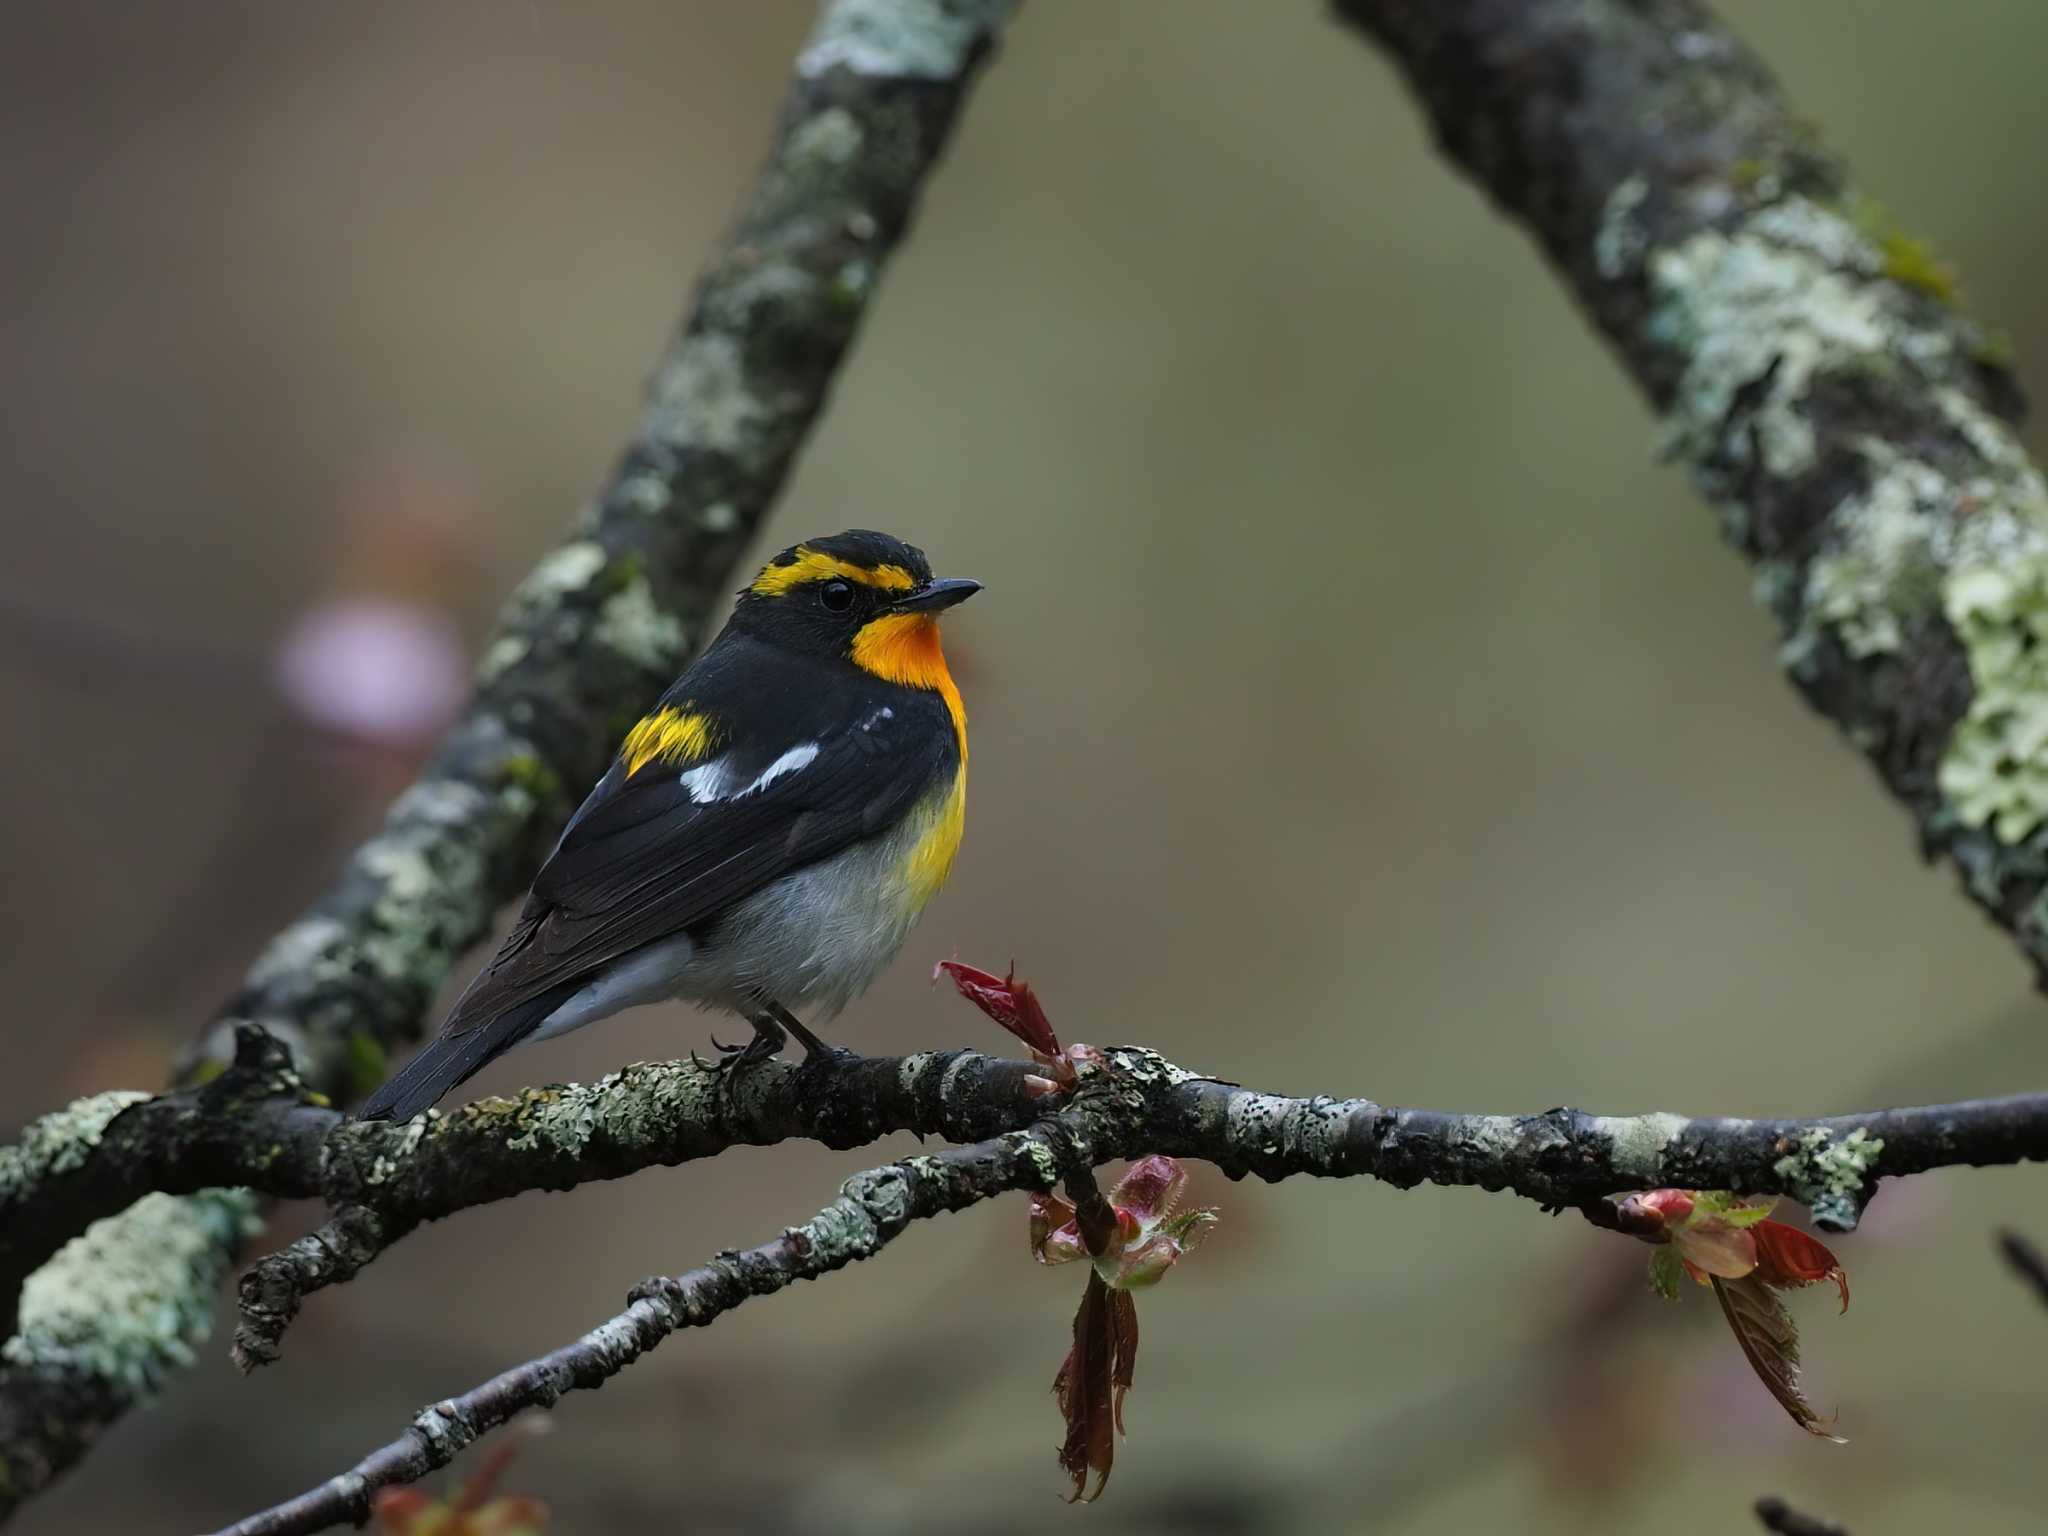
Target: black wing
column 645, row 858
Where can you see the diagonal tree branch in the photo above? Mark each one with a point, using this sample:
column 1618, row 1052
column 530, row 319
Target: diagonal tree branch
column 872, row 1208
column 590, row 637
column 1812, row 370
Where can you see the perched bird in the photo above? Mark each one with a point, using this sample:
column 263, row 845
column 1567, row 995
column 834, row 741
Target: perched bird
column 766, row 836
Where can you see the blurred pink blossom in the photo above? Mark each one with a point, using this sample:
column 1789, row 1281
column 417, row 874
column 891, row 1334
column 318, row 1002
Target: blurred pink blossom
column 384, row 672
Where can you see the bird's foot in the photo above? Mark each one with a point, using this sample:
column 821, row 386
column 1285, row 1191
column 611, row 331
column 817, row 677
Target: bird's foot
column 814, row 1048
column 734, row 1060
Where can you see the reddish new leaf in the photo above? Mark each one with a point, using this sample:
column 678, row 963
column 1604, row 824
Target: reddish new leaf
column 1769, row 1340
column 1091, row 1384
column 1728, row 1239
column 485, row 1478
column 1129, row 1246
column 1150, row 1188
column 505, row 1517
column 400, row 1511
column 472, row 1512
column 408, row 1512
column 1086, row 1389
column 1124, row 1308
column 1658, row 1209
column 1727, row 1252
column 1010, row 1002
column 1787, row 1256
column 1055, row 1233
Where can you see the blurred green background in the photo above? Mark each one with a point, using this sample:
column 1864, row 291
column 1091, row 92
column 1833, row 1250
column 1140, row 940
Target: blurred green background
column 1357, row 707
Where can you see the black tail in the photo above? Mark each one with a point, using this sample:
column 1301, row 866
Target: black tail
column 456, row 1055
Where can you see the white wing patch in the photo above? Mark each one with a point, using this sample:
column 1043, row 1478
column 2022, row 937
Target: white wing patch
column 707, row 781
column 790, row 761
column 712, row 781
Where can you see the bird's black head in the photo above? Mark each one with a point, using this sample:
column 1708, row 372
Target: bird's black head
column 839, row 596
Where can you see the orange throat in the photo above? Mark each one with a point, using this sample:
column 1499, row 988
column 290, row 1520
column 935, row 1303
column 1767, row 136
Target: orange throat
column 904, row 648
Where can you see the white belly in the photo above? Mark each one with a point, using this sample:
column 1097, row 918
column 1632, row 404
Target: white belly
column 812, row 941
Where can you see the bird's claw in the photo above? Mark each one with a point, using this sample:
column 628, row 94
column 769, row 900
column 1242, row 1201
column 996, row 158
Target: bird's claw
column 734, row 1060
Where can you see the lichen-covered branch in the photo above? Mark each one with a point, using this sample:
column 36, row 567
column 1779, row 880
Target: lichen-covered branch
column 92, row 1160
column 871, row 1209
column 1138, row 1102
column 1565, row 1157
column 1812, row 369
column 380, row 1181
column 254, row 1126
column 598, row 628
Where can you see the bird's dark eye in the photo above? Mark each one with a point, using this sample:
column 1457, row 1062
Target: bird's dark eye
column 836, row 595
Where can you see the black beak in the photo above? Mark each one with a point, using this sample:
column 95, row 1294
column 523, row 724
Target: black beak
column 936, row 595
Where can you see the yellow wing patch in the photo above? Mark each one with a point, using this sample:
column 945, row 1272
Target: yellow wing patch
column 669, row 736
column 811, row 565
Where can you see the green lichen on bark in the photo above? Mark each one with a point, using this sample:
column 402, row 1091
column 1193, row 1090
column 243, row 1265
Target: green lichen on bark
column 1639, row 1142
column 1995, row 771
column 640, row 1105
column 1942, row 528
column 1766, row 305
column 1906, row 524
column 133, row 1298
column 634, row 625
column 1815, row 372
column 1831, row 1177
column 531, row 777
column 903, row 39
column 1884, row 568
column 61, row 1141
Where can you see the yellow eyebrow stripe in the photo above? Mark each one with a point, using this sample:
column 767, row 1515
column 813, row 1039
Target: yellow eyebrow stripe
column 812, row 565
column 668, row 735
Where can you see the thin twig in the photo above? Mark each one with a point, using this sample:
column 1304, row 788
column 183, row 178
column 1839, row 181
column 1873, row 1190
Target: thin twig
column 1774, row 1514
column 872, row 1208
column 2026, row 1259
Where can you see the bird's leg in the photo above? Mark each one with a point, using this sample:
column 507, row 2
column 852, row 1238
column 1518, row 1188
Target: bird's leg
column 768, row 1039
column 812, row 1045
